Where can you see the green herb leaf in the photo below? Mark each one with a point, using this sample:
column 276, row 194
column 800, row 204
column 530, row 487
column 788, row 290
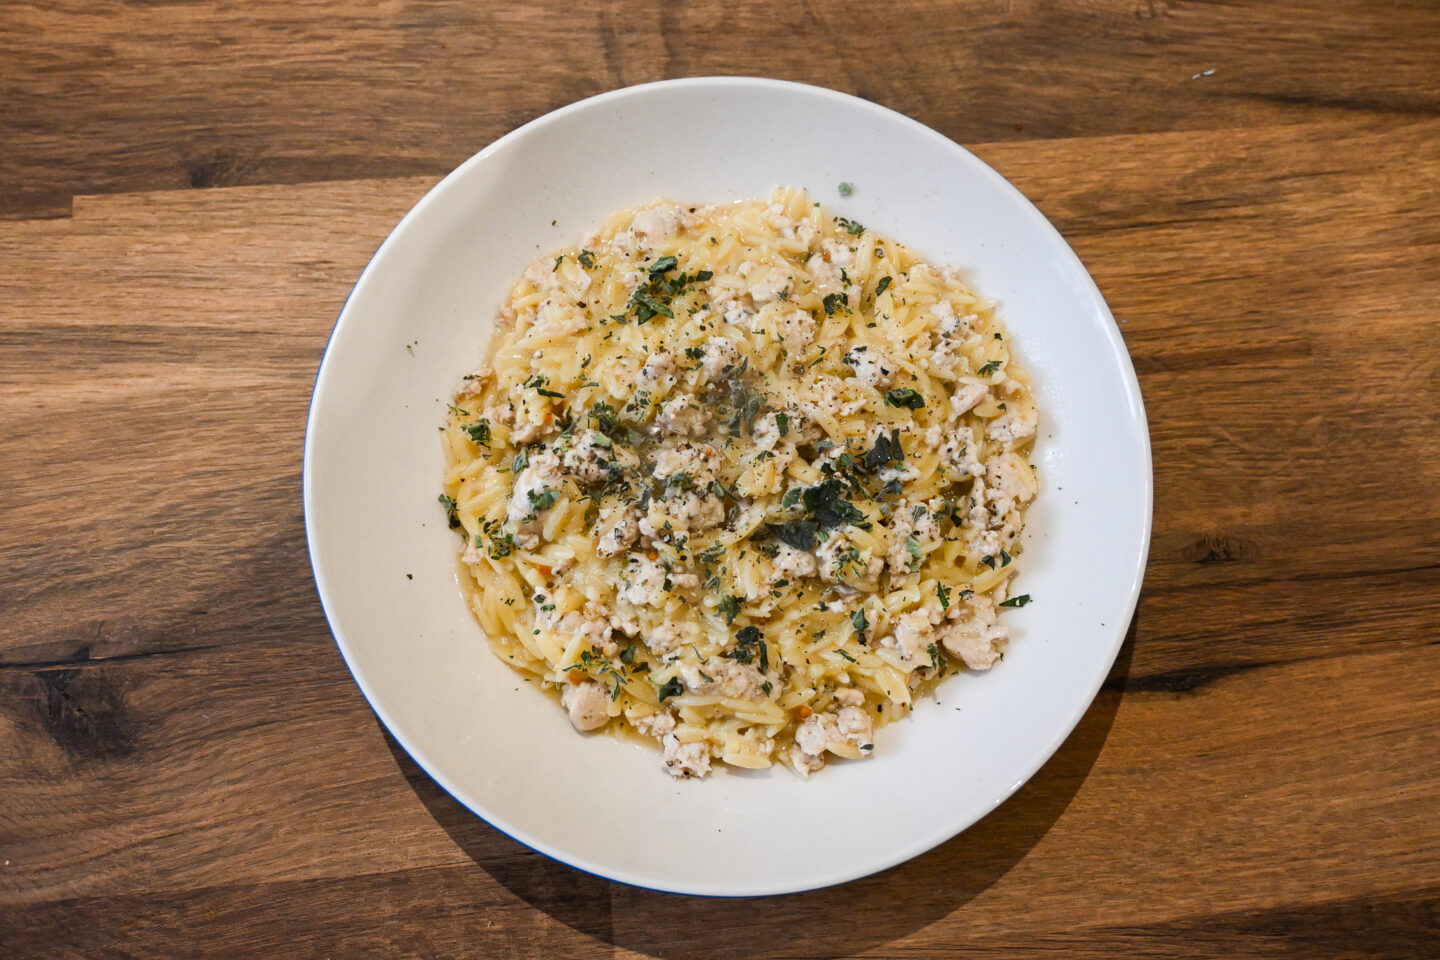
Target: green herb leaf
column 671, row 688
column 728, row 607
column 854, row 229
column 882, row 286
column 749, row 643
column 988, row 369
column 782, row 422
column 800, row 534
column 846, row 188
column 836, row 301
column 663, row 266
column 479, row 432
column 858, row 621
column 827, row 507
column 1019, row 601
column 544, row 499
column 649, row 307
column 449, row 506
column 944, row 596
column 587, row 259
column 904, row 397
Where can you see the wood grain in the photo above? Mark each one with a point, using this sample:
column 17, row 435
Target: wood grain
column 188, row 768
column 157, row 95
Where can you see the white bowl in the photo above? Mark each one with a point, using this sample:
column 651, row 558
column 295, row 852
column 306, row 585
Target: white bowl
column 419, row 318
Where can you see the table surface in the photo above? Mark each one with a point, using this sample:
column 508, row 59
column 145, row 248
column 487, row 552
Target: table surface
column 187, row 192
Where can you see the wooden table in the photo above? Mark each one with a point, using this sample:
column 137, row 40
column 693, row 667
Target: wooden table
column 188, row 192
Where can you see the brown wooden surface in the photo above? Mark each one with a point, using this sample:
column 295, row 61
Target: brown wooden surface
column 188, row 191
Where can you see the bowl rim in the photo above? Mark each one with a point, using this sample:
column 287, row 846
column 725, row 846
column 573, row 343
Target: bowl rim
column 758, row 888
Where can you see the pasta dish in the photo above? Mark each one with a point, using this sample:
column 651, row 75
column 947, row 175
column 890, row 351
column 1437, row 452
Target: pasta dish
column 745, row 479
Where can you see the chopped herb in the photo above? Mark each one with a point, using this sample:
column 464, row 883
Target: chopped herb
column 854, row 229
column 886, row 450
column 704, row 275
column 647, row 307
column 627, row 656
column 712, row 553
column 558, row 260
column 1004, row 559
column 663, row 266
column 836, row 301
column 671, row 688
column 988, row 369
column 800, row 534
column 934, row 652
column 904, row 397
column 790, row 498
column 827, row 507
column 912, row 547
column 1019, row 601
column 782, row 422
column 846, row 655
column 944, row 596
column 521, row 461
column 748, row 642
column 988, row 561
column 479, row 432
column 587, row 259
column 449, row 506
column 501, row 544
column 728, row 607
column 694, row 353
column 846, row 188
column 882, row 285
column 858, row 621
column 544, row 499
column 409, row 576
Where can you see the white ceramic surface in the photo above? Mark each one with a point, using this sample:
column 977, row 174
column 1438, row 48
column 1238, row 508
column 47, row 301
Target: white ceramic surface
column 373, row 464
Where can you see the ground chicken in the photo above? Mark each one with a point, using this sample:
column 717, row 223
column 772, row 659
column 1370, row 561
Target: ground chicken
column 526, row 513
column 680, row 416
column 720, row 353
column 872, row 366
column 618, row 528
column 685, row 759
column 587, row 703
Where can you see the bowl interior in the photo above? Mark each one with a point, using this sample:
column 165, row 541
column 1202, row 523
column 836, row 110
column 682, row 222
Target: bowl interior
column 419, row 318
